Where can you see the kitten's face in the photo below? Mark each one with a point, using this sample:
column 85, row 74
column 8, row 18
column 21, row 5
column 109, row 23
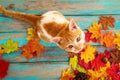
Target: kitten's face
column 73, row 41
column 72, row 38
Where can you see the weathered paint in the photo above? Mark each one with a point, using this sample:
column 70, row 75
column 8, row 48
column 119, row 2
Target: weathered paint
column 72, row 7
column 49, row 65
column 13, row 25
column 51, row 54
column 36, row 71
column 21, row 38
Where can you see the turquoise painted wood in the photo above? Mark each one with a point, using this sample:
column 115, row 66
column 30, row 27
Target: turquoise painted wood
column 51, row 54
column 36, row 71
column 13, row 25
column 67, row 7
column 53, row 61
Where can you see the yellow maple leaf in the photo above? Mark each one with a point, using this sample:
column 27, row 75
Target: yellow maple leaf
column 88, row 54
column 10, row 46
column 73, row 62
column 67, row 75
column 31, row 34
column 100, row 74
column 117, row 41
column 95, row 29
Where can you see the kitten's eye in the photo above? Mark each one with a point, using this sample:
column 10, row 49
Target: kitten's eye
column 78, row 39
column 70, row 46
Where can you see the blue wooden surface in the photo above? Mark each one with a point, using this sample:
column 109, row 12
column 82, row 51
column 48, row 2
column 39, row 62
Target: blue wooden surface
column 51, row 62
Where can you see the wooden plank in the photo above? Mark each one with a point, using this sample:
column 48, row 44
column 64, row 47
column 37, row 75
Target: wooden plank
column 67, row 7
column 36, row 71
column 12, row 25
column 51, row 54
column 21, row 38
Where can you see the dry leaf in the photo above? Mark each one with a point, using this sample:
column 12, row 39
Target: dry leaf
column 67, row 75
column 73, row 62
column 10, row 46
column 88, row 54
column 1, row 51
column 95, row 29
column 115, row 57
column 32, row 34
column 107, row 39
column 32, row 49
column 106, row 22
column 117, row 41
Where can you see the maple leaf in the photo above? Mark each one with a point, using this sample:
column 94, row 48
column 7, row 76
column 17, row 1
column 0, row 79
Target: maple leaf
column 114, row 56
column 67, row 75
column 32, row 34
column 88, row 37
column 107, row 39
column 95, row 29
column 32, row 49
column 85, row 65
column 98, row 59
column 117, row 41
column 88, row 54
column 4, row 66
column 73, row 62
column 113, row 71
column 99, row 74
column 81, row 76
column 1, row 51
column 106, row 21
column 81, row 69
column 10, row 46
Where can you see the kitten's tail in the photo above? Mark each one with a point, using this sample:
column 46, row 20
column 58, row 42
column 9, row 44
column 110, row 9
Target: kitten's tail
column 26, row 17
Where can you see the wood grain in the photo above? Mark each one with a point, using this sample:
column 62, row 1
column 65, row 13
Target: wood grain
column 12, row 25
column 50, row 64
column 21, row 38
column 51, row 54
column 67, row 7
column 36, row 71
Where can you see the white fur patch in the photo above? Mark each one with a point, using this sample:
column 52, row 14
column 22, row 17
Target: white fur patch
column 53, row 16
column 50, row 16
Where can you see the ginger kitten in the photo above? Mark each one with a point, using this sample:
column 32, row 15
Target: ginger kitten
column 52, row 26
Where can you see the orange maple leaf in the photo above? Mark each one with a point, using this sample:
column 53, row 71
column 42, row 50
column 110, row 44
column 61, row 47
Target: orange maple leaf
column 67, row 75
column 32, row 49
column 106, row 21
column 107, row 39
column 1, row 51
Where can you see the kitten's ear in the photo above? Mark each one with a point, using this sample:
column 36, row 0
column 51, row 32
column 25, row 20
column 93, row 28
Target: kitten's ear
column 56, row 40
column 72, row 25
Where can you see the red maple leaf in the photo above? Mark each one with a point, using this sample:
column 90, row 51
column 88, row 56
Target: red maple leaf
column 88, row 37
column 113, row 71
column 98, row 62
column 3, row 68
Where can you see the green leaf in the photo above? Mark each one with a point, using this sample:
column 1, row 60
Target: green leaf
column 81, row 69
column 73, row 62
column 10, row 46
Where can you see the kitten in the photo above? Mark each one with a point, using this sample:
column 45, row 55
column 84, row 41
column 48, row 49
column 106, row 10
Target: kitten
column 52, row 26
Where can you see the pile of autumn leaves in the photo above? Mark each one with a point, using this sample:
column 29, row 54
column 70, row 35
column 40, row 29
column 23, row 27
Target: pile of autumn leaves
column 32, row 49
column 89, row 64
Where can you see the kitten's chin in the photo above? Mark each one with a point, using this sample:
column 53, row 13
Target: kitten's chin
column 75, row 51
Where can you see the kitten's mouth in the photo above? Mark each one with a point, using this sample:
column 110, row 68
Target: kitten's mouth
column 76, row 51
